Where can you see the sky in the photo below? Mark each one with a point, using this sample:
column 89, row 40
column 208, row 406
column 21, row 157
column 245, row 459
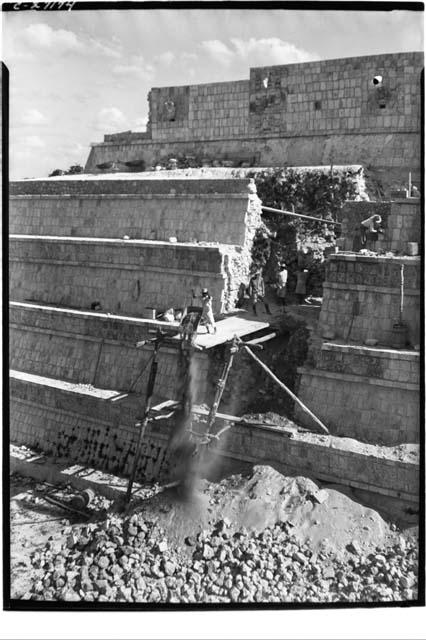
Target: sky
column 76, row 75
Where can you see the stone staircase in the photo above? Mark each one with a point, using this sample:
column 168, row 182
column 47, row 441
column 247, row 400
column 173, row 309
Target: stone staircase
column 90, row 261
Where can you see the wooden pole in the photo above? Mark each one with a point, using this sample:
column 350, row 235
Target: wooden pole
column 282, row 385
column 144, row 422
column 299, row 215
column 220, row 386
column 409, row 184
column 401, row 308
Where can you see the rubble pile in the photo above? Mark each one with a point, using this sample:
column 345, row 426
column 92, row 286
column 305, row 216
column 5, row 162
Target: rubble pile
column 131, row 560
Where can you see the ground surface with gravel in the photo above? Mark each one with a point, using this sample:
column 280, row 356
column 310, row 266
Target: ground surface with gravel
column 261, row 538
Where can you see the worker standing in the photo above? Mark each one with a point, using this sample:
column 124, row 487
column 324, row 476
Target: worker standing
column 207, row 312
column 302, row 277
column 282, row 277
column 372, row 225
column 257, row 291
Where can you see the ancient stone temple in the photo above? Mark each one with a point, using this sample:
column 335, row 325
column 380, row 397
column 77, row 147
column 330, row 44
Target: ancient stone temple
column 362, row 110
column 95, row 258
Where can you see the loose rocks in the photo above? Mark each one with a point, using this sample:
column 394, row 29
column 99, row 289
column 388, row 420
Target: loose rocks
column 132, row 561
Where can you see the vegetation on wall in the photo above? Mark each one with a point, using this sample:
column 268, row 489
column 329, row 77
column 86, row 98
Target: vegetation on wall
column 75, row 168
column 312, row 192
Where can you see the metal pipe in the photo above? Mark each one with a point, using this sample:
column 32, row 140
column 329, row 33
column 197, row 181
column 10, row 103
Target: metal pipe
column 282, row 385
column 299, row 215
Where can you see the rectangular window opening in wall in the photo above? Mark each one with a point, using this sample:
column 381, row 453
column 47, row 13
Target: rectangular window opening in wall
column 382, row 106
column 317, row 105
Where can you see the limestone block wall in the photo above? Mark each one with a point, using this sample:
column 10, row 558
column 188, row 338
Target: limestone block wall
column 363, row 393
column 187, row 218
column 225, row 215
column 96, row 350
column 370, row 362
column 124, row 276
column 321, row 96
column 404, row 225
column 400, row 221
column 336, row 95
column 298, row 114
column 362, row 297
column 215, row 110
column 125, row 184
column 391, row 155
column 86, row 429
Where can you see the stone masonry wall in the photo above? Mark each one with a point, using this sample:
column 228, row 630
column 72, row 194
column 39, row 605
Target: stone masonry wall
column 298, row 114
column 365, row 408
column 370, row 362
column 391, row 155
column 323, row 96
column 362, row 298
column 363, row 392
column 124, row 276
column 336, row 95
column 187, row 217
column 91, row 349
column 216, row 110
column 124, row 184
column 86, row 430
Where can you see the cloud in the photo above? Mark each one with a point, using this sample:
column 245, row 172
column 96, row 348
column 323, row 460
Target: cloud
column 266, row 51
column 187, row 57
column 255, row 52
column 136, row 68
column 97, row 47
column 44, row 37
column 33, row 117
column 110, row 119
column 140, row 123
column 77, row 150
column 33, row 142
column 217, row 50
column 165, row 58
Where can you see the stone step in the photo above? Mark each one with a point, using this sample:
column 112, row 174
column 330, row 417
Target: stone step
column 370, row 362
column 362, row 296
column 125, row 277
column 90, row 431
column 93, row 349
column 370, row 409
column 189, row 210
column 125, row 183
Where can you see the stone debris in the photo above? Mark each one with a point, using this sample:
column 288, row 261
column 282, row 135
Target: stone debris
column 129, row 560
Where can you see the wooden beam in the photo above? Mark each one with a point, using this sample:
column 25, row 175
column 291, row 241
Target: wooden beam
column 299, row 215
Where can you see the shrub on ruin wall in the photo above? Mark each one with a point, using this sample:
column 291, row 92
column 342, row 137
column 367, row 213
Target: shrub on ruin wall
column 311, row 192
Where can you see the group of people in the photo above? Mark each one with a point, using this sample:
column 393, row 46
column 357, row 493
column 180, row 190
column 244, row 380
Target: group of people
column 257, row 293
column 256, row 290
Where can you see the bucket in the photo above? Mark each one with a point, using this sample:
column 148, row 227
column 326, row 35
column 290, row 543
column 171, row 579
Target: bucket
column 149, row 313
column 399, row 336
column 413, row 248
